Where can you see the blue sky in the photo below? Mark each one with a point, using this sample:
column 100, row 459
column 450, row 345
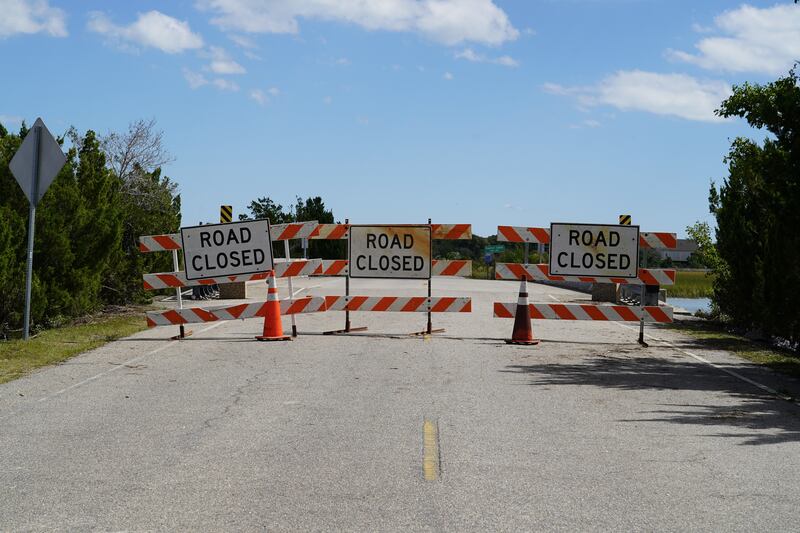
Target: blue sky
column 480, row 111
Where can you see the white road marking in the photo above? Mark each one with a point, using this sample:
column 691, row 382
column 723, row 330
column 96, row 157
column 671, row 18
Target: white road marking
column 552, row 297
column 304, row 289
column 702, row 359
column 114, row 368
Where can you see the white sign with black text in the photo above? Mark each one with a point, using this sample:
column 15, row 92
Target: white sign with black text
column 390, row 252
column 594, row 250
column 214, row 250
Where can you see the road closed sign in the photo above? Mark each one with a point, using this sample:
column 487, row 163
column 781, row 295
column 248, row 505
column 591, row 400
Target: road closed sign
column 214, row 250
column 594, row 250
column 402, row 252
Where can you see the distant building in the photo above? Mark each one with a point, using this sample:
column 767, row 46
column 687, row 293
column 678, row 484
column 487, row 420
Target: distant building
column 681, row 253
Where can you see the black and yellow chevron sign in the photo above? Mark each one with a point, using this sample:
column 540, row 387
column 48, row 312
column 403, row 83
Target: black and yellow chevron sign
column 625, row 220
column 225, row 213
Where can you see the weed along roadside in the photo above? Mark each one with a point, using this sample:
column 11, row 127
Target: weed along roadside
column 692, row 284
column 19, row 357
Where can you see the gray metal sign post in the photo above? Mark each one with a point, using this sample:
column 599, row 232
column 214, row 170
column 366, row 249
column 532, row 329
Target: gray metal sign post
column 35, row 166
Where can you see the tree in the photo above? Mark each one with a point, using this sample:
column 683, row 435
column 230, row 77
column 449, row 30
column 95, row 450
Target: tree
column 756, row 209
column 266, row 208
column 139, row 148
column 314, row 209
column 87, row 225
column 706, row 254
column 152, row 205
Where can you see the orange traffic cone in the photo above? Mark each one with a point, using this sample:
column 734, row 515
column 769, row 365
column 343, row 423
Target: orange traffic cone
column 273, row 327
column 523, row 331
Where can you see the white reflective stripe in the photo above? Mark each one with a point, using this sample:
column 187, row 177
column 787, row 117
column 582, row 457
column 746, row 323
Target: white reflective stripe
column 609, row 312
column 452, row 267
column 510, row 308
column 546, row 310
column 654, row 241
column 152, row 245
column 289, row 268
column 194, row 315
column 330, row 231
column 292, row 230
column 580, row 313
column 514, row 271
column 165, row 280
column 333, row 267
column 378, row 304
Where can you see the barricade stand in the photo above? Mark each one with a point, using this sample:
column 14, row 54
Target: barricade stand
column 541, row 272
column 429, row 329
column 182, row 333
column 291, row 287
column 336, row 233
column 178, row 280
column 429, row 304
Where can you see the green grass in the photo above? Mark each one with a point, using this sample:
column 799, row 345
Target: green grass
column 713, row 336
column 18, row 357
column 689, row 284
column 481, row 270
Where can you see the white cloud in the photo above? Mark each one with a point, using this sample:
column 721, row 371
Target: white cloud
column 750, row 40
column 470, row 55
column 263, row 97
column 31, row 16
column 221, row 62
column 662, row 94
column 445, row 21
column 342, row 61
column 259, row 96
column 447, row 76
column 225, row 85
column 327, row 100
column 195, row 79
column 152, row 29
column 244, row 42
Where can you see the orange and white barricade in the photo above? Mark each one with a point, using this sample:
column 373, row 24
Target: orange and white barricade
column 400, row 304
column 542, row 236
column 439, row 267
column 541, row 272
column 194, row 315
column 599, row 312
column 283, row 269
column 177, row 280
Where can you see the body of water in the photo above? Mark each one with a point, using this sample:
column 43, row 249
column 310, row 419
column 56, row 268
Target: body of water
column 691, row 304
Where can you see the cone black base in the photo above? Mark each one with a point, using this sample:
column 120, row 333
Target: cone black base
column 265, row 339
column 527, row 343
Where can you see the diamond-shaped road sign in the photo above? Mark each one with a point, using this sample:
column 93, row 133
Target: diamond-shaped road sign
column 51, row 160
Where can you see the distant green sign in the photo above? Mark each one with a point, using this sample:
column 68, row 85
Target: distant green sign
column 494, row 249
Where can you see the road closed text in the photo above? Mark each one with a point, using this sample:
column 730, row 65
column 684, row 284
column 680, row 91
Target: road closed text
column 390, row 252
column 594, row 250
column 227, row 249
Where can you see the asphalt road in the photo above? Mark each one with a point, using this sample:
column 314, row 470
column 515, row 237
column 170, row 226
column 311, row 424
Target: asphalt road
column 587, row 431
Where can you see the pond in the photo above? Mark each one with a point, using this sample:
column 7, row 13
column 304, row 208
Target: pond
column 691, row 304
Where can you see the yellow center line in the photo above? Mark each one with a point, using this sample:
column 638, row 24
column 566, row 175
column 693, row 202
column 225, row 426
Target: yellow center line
column 430, row 450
